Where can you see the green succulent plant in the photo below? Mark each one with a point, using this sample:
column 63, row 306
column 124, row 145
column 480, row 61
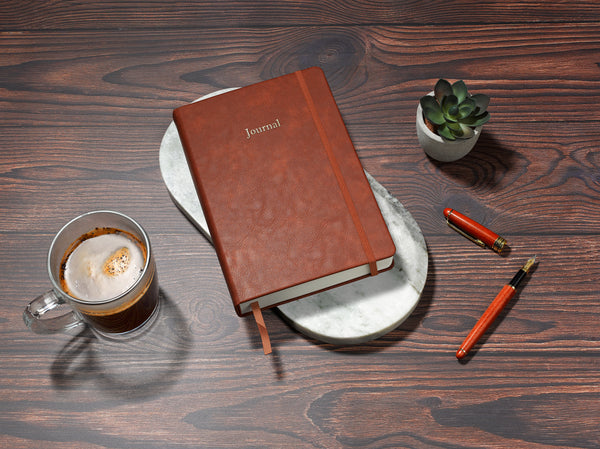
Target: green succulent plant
column 453, row 112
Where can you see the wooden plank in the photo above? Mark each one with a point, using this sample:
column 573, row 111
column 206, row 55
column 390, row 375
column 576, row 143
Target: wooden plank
column 97, row 14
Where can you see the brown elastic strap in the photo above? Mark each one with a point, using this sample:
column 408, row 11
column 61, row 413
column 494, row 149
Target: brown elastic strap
column 364, row 240
column 262, row 328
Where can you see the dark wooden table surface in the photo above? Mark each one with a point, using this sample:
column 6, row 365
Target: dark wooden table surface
column 86, row 94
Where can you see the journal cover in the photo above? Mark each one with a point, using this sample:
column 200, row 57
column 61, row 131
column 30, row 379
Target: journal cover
column 286, row 200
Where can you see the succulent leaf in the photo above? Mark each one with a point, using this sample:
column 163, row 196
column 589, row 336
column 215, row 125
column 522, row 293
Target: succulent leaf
column 476, row 120
column 432, row 110
column 429, row 102
column 434, row 115
column 442, row 89
column 460, row 90
column 481, row 101
column 467, row 131
column 466, row 108
column 456, row 130
column 445, row 132
column 481, row 119
column 454, row 127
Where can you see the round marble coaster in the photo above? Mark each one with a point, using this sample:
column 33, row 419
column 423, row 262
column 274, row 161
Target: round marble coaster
column 353, row 313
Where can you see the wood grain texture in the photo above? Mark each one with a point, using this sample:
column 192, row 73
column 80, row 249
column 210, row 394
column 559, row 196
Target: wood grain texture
column 86, row 93
column 98, row 14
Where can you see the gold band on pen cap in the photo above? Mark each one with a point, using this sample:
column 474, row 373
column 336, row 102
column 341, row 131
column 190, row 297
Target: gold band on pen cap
column 499, row 245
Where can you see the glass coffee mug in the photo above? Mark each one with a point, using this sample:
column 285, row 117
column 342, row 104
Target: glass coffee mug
column 102, row 268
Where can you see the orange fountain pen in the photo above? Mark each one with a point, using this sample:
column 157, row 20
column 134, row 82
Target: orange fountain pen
column 474, row 231
column 493, row 310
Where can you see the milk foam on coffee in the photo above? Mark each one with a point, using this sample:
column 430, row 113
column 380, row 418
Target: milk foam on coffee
column 102, row 267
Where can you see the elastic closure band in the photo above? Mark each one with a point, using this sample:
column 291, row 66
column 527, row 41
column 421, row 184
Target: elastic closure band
column 364, row 240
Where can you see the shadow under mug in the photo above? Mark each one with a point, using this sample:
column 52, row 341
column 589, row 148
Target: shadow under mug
column 122, row 317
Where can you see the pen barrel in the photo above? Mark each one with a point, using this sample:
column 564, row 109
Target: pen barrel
column 488, row 317
column 473, row 228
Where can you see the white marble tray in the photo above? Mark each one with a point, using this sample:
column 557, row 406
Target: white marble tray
column 354, row 313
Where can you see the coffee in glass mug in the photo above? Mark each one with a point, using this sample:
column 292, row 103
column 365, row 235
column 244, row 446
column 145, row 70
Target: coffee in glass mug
column 100, row 264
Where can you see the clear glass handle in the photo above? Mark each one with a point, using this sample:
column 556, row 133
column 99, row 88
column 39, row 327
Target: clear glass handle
column 35, row 310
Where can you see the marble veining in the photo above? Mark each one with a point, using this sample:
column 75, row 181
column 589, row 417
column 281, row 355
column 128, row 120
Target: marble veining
column 350, row 314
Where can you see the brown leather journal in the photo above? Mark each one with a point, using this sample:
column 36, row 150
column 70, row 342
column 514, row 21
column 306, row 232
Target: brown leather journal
column 286, row 200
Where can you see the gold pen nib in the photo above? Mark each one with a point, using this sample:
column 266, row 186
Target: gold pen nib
column 529, row 264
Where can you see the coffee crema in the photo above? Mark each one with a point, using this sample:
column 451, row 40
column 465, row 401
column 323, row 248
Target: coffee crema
column 102, row 264
column 100, row 268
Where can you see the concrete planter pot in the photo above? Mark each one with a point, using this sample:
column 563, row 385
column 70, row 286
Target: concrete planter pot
column 439, row 148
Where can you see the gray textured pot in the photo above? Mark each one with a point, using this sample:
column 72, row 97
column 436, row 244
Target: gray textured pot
column 439, row 148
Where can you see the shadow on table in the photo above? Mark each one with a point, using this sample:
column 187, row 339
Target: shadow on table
column 281, row 331
column 137, row 369
column 487, row 167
